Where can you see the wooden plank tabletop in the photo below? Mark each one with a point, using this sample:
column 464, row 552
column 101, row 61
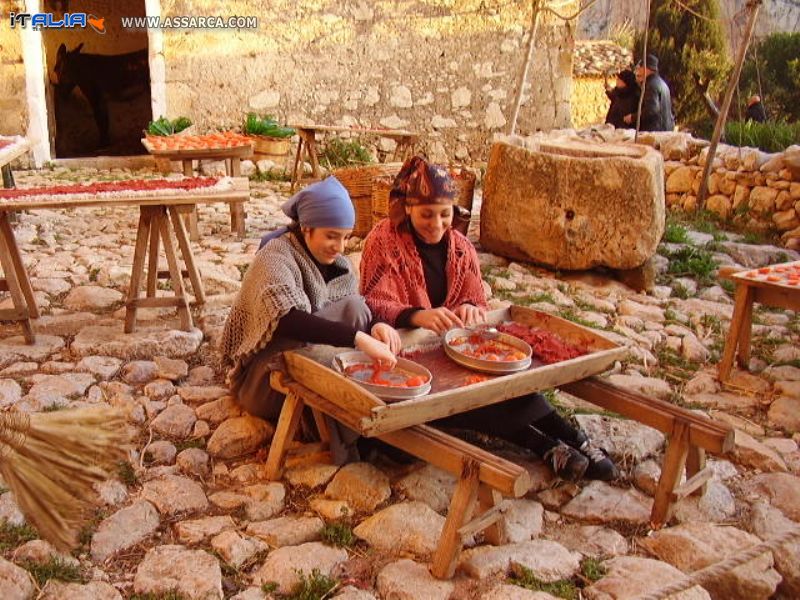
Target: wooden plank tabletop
column 9, row 153
column 238, row 192
column 740, row 276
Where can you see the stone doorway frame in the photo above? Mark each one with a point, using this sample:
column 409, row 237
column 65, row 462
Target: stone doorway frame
column 38, row 130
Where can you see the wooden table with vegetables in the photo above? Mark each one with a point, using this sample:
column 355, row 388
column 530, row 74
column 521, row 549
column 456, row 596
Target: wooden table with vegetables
column 519, row 351
column 167, row 140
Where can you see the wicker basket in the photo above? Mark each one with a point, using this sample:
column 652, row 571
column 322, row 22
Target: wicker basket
column 465, row 190
column 358, row 182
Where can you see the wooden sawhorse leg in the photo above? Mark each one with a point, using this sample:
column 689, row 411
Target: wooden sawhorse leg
column 16, row 282
column 742, row 310
column 284, row 434
column 297, row 167
column 186, row 250
column 237, row 208
column 154, row 224
column 191, row 217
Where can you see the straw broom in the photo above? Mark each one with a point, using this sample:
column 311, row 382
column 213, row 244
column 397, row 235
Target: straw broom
column 51, row 461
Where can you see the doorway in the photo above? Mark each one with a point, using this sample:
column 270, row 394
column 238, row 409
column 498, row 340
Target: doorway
column 97, row 86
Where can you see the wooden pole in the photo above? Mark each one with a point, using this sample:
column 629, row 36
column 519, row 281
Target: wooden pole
column 753, row 6
column 523, row 74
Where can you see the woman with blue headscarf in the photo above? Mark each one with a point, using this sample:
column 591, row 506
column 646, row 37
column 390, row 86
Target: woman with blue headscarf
column 299, row 289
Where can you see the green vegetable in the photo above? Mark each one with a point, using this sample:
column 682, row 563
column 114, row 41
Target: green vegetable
column 164, row 126
column 266, row 126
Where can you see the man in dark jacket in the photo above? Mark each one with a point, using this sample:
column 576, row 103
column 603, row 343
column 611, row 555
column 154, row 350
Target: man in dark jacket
column 657, row 103
column 624, row 98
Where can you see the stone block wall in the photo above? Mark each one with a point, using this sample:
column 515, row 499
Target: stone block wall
column 445, row 68
column 589, row 101
column 13, row 109
column 757, row 190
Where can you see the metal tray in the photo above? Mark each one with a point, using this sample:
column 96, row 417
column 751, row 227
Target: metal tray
column 353, row 357
column 487, row 366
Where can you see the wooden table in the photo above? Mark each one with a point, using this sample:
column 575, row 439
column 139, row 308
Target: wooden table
column 406, row 141
column 233, row 167
column 159, row 219
column 482, row 477
column 748, row 291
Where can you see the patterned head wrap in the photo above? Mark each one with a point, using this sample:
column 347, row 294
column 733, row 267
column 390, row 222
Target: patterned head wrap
column 419, row 182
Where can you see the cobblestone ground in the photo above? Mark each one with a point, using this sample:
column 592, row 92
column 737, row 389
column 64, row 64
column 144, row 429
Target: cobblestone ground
column 183, row 520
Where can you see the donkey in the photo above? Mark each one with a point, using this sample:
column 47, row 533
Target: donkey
column 100, row 78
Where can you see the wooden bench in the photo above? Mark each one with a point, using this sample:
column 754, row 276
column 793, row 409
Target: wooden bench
column 689, row 437
column 483, row 478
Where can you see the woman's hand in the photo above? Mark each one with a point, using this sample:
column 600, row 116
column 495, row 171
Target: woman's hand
column 438, row 320
column 388, row 335
column 470, row 315
column 376, row 350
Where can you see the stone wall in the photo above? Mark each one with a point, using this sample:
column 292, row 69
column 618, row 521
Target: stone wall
column 13, row 109
column 589, row 101
column 757, row 190
column 445, row 68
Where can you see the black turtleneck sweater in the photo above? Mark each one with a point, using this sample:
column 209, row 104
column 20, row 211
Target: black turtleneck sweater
column 434, row 267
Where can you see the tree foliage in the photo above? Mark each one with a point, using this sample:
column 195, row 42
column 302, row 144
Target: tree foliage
column 775, row 60
column 693, row 56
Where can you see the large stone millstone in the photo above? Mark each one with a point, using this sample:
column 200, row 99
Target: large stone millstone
column 573, row 204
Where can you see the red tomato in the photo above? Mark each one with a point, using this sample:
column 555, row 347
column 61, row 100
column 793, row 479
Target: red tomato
column 763, row 270
column 773, row 278
column 415, row 381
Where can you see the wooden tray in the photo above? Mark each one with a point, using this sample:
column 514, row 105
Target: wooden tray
column 761, row 281
column 243, row 151
column 450, row 394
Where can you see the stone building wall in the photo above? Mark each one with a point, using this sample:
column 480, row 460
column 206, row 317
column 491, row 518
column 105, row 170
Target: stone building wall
column 589, row 101
column 445, row 68
column 13, row 109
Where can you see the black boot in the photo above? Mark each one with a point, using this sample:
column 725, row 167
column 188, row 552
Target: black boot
column 565, row 461
column 600, row 467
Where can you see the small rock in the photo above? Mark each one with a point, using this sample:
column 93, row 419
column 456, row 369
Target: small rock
column 161, row 452
column 172, row 568
column 624, row 439
column 194, row 461
column 411, row 527
column 125, row 528
column 139, row 372
column 768, row 523
column 311, row 476
column 219, row 410
column 284, row 565
column 104, row 367
column 781, row 490
column 200, row 394
column 175, row 421
column 360, row 484
column 173, row 494
column 170, row 368
column 94, row 590
column 407, row 580
column 159, row 389
column 750, row 452
column 236, row 549
column 91, row 297
column 15, row 582
column 331, row 510
column 195, row 531
column 287, row 531
column 239, row 436
column 631, row 577
column 265, row 500
column 649, row 386
column 430, row 485
column 549, row 561
column 592, row 540
column 602, row 503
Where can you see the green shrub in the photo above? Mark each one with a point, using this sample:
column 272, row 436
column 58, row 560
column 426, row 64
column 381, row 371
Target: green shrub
column 772, row 136
column 313, row 587
column 344, row 153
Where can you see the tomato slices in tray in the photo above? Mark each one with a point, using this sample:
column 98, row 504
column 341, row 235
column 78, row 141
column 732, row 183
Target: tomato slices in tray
column 477, row 346
column 376, row 375
column 784, row 274
column 212, row 141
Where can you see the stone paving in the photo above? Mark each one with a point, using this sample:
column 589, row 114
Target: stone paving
column 192, row 516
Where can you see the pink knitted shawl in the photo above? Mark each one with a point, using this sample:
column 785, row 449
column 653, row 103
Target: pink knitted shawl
column 392, row 278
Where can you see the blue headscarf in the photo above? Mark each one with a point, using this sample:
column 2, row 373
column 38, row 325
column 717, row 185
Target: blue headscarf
column 323, row 204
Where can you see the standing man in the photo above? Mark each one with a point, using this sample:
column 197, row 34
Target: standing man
column 657, row 103
column 755, row 110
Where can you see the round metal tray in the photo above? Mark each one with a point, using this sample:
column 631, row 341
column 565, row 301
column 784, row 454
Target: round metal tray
column 487, row 366
column 353, row 357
